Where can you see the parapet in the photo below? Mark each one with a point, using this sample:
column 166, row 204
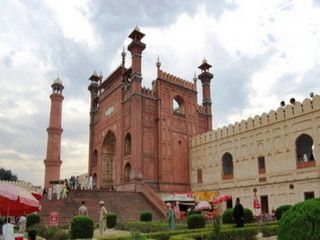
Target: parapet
column 281, row 114
column 176, row 80
column 112, row 76
column 147, row 92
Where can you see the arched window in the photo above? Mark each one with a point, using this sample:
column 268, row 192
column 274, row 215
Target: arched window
column 227, row 166
column 178, row 105
column 94, row 158
column 127, row 172
column 304, row 148
column 127, row 144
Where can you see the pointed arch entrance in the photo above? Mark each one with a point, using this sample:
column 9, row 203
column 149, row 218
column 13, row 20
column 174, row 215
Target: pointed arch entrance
column 109, row 151
column 127, row 172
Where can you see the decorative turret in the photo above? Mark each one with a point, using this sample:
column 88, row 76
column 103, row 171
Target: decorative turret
column 93, row 88
column 158, row 64
column 123, row 55
column 205, row 78
column 53, row 159
column 136, row 47
column 57, row 86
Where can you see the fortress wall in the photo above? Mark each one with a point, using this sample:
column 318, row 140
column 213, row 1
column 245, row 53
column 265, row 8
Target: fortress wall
column 273, row 117
column 272, row 136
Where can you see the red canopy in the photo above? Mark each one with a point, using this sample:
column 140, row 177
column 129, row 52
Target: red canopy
column 222, row 198
column 16, row 201
column 36, row 195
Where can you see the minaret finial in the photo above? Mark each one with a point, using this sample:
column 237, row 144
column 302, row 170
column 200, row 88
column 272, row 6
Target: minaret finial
column 158, row 64
column 195, row 79
column 123, row 54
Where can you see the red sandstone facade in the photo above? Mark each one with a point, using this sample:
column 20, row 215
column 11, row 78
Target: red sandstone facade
column 53, row 160
column 138, row 133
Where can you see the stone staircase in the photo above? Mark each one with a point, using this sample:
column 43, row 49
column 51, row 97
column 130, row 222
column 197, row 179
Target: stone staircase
column 127, row 205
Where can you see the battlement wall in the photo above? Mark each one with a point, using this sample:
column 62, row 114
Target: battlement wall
column 176, row 80
column 281, row 114
column 147, row 92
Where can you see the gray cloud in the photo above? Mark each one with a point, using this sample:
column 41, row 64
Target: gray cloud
column 35, row 50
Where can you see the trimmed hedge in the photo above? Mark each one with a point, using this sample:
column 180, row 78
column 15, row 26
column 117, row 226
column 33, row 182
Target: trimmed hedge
column 32, row 219
column 147, row 227
column 281, row 210
column 228, row 234
column 146, row 216
column 111, row 220
column 227, row 216
column 270, row 230
column 196, row 221
column 301, row 221
column 50, row 233
column 81, row 227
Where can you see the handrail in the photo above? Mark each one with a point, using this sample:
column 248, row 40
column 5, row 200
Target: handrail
column 153, row 197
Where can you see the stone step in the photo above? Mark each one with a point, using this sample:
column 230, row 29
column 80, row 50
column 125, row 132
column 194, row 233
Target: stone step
column 127, row 205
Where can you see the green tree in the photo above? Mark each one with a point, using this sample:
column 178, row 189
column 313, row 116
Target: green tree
column 7, row 175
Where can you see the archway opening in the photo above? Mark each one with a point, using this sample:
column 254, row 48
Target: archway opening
column 127, row 172
column 178, row 105
column 304, row 148
column 109, row 151
column 227, row 166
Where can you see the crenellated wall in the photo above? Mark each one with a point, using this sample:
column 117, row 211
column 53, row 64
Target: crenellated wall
column 176, row 80
column 273, row 117
column 271, row 136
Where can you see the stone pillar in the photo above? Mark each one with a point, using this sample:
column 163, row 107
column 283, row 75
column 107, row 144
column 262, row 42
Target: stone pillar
column 53, row 160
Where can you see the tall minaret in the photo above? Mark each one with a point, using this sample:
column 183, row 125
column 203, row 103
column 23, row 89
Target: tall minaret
column 53, row 160
column 205, row 78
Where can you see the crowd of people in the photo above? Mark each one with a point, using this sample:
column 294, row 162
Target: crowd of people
column 59, row 189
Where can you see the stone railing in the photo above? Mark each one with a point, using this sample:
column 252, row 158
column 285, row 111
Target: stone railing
column 152, row 197
column 281, row 114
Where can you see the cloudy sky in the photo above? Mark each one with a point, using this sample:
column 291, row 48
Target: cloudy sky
column 262, row 52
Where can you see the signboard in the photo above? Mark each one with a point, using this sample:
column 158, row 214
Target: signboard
column 54, row 219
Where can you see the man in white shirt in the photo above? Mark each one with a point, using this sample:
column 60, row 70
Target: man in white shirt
column 7, row 230
column 22, row 224
column 83, row 210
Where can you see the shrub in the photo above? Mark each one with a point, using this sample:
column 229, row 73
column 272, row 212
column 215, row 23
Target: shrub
column 281, row 210
column 32, row 219
column 247, row 215
column 111, row 220
column 146, row 216
column 81, row 227
column 227, row 216
column 50, row 233
column 301, row 221
column 216, row 230
column 196, row 221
